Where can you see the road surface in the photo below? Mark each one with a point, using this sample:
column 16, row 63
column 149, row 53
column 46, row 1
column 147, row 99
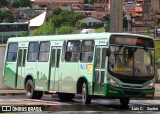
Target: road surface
column 48, row 104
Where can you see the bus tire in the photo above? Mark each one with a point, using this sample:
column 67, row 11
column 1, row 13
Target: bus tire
column 124, row 101
column 66, row 96
column 29, row 89
column 86, row 99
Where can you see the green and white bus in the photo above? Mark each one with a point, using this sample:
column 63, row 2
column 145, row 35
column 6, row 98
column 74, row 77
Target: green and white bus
column 108, row 65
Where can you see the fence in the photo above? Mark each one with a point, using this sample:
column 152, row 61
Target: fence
column 150, row 31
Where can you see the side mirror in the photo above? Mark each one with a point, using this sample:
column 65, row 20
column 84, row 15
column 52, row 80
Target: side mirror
column 108, row 52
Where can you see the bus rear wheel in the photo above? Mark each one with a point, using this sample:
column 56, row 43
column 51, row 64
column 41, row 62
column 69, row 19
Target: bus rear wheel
column 86, row 99
column 66, row 96
column 30, row 93
column 124, row 101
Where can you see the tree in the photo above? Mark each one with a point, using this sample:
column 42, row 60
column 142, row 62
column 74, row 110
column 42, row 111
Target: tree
column 15, row 4
column 3, row 3
column 22, row 3
column 45, row 29
column 90, row 1
column 107, row 22
column 56, row 11
column 64, row 30
column 65, row 18
column 25, row 3
column 60, row 22
column 6, row 15
column 149, row 31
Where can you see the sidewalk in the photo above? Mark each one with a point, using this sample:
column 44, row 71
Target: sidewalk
column 8, row 92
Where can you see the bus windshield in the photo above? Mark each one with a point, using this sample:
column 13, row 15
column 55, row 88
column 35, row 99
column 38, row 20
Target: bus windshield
column 131, row 61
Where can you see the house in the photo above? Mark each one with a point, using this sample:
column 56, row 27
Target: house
column 90, row 22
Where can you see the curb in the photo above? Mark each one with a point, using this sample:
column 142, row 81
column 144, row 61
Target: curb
column 11, row 92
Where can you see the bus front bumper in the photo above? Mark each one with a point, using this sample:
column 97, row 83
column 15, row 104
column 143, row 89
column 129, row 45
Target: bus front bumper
column 130, row 93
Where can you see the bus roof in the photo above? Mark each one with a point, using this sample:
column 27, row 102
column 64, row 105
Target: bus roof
column 104, row 35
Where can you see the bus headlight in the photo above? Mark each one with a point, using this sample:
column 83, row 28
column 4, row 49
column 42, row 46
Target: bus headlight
column 113, row 82
column 150, row 85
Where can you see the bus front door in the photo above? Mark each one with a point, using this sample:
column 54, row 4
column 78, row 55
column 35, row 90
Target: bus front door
column 21, row 67
column 54, row 68
column 99, row 73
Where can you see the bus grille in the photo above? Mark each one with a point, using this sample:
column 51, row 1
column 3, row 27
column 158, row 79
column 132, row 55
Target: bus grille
column 132, row 81
column 131, row 92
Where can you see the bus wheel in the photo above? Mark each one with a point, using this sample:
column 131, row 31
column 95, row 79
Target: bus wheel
column 124, row 101
column 29, row 89
column 86, row 99
column 66, row 96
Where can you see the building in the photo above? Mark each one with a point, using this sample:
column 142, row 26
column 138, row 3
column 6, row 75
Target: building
column 90, row 22
column 49, row 4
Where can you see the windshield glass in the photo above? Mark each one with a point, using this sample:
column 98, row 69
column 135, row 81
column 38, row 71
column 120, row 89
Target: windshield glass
column 131, row 61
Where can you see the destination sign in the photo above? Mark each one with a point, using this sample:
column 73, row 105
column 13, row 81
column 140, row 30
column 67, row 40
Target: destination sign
column 131, row 40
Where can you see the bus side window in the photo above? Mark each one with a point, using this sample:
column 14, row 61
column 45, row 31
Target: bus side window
column 87, row 51
column 12, row 52
column 44, row 51
column 73, row 51
column 33, row 51
column 68, row 56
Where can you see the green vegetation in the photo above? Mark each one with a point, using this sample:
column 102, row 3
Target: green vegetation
column 107, row 22
column 3, row 3
column 21, row 3
column 15, row 3
column 64, row 30
column 6, row 15
column 90, row 1
column 45, row 29
column 60, row 22
column 65, row 18
column 102, row 29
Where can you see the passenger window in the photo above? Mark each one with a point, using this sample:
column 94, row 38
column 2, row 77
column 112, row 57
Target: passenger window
column 12, row 52
column 87, row 51
column 73, row 51
column 33, row 51
column 44, row 51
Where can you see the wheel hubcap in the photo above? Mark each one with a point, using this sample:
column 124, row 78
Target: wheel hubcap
column 29, row 89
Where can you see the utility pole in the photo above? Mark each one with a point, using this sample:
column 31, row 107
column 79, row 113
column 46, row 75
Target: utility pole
column 116, row 15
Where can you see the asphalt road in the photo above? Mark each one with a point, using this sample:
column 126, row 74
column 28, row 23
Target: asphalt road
column 20, row 104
